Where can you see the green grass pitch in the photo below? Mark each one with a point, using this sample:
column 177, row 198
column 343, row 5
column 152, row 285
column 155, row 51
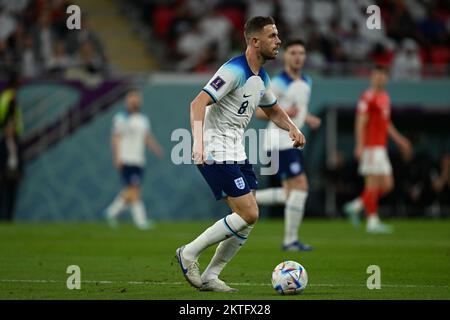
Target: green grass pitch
column 126, row 263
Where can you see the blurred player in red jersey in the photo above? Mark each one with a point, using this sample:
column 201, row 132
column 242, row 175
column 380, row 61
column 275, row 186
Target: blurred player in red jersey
column 373, row 127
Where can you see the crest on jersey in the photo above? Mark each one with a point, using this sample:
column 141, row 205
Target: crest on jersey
column 217, row 83
column 240, row 184
column 295, row 167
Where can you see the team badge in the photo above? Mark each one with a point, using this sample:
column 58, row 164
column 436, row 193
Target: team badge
column 217, row 83
column 295, row 167
column 240, row 184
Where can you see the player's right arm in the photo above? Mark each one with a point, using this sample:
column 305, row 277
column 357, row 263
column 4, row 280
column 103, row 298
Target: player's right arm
column 360, row 125
column 115, row 140
column 361, row 119
column 312, row 121
column 223, row 81
column 115, row 150
column 198, row 110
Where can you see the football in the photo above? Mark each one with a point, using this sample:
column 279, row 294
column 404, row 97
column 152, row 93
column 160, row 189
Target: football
column 289, row 277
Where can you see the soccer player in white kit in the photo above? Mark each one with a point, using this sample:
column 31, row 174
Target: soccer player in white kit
column 131, row 132
column 219, row 115
column 293, row 90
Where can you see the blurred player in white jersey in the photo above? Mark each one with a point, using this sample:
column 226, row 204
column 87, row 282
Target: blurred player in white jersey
column 219, row 116
column 293, row 90
column 131, row 132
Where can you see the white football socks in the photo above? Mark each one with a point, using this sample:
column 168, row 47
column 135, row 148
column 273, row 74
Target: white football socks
column 293, row 214
column 270, row 196
column 226, row 250
column 117, row 206
column 219, row 231
column 373, row 220
column 138, row 213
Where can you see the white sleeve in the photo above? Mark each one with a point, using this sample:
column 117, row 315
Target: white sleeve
column 362, row 106
column 276, row 89
column 223, row 81
column 148, row 125
column 118, row 124
column 269, row 99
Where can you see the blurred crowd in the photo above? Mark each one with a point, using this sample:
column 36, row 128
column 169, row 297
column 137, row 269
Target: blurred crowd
column 197, row 35
column 35, row 41
column 414, row 39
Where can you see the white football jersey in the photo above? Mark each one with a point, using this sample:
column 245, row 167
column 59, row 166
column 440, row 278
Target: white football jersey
column 236, row 92
column 132, row 129
column 289, row 92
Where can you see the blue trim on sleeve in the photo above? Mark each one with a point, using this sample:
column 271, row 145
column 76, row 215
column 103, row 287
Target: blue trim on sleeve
column 268, row 105
column 307, row 79
column 282, row 80
column 232, row 231
column 286, row 78
column 122, row 115
column 210, row 94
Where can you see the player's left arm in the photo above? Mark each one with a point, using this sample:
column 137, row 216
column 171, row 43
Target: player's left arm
column 260, row 114
column 153, row 145
column 291, row 112
column 400, row 140
column 312, row 121
column 277, row 115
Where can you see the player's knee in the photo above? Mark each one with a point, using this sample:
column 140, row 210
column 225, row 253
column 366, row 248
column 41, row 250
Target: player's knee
column 126, row 196
column 250, row 212
column 299, row 183
column 132, row 194
column 389, row 186
column 302, row 185
column 252, row 217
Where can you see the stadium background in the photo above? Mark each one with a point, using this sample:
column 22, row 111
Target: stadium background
column 73, row 83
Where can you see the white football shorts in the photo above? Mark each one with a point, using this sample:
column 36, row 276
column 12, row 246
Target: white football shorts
column 374, row 161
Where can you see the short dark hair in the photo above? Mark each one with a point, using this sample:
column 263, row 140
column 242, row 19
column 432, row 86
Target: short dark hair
column 381, row 67
column 256, row 24
column 133, row 90
column 293, row 42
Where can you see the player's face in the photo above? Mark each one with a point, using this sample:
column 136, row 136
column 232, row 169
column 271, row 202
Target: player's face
column 295, row 56
column 268, row 41
column 133, row 101
column 379, row 79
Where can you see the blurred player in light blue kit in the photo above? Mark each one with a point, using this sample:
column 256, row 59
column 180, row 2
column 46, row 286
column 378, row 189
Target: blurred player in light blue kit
column 131, row 132
column 219, row 116
column 293, row 90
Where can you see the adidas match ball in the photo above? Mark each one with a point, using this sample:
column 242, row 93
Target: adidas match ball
column 289, row 277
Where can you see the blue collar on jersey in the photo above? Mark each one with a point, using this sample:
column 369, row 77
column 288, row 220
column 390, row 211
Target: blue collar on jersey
column 126, row 113
column 288, row 79
column 241, row 61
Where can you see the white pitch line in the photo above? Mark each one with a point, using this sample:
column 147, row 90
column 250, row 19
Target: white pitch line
column 162, row 283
